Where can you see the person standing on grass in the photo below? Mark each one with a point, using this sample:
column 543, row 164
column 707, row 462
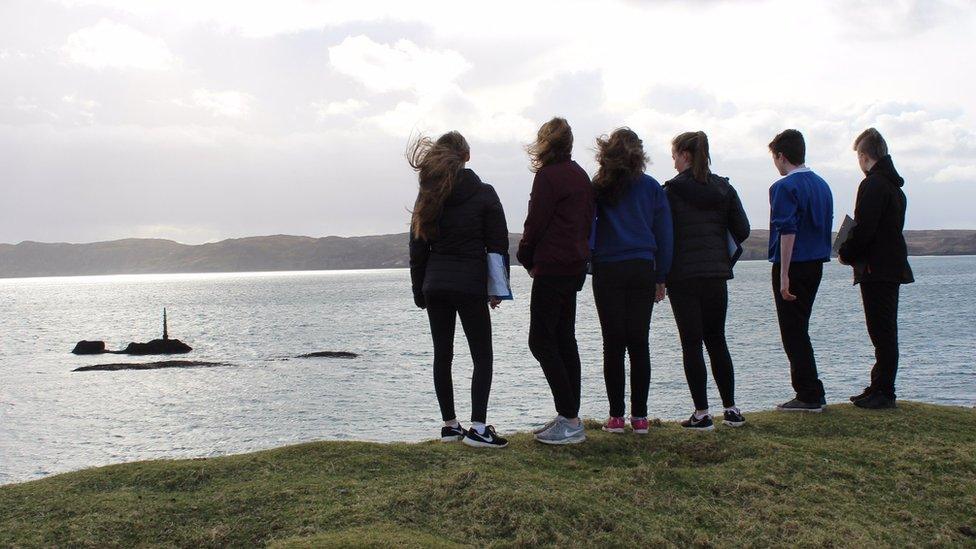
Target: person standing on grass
column 632, row 243
column 554, row 250
column 456, row 222
column 800, row 220
column 707, row 212
column 876, row 246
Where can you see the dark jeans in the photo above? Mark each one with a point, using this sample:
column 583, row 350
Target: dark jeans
column 794, row 327
column 443, row 310
column 552, row 338
column 881, row 314
column 699, row 307
column 624, row 295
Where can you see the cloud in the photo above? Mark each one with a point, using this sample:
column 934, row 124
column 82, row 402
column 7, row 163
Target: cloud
column 402, row 66
column 111, row 45
column 229, row 103
column 336, row 108
column 956, row 174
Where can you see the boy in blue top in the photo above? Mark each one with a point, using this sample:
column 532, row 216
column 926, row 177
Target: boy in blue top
column 800, row 219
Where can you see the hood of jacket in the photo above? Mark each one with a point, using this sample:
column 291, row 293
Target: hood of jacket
column 465, row 186
column 886, row 169
column 710, row 195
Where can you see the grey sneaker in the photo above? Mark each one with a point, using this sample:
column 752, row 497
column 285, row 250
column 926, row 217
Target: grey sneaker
column 546, row 426
column 562, row 432
column 797, row 405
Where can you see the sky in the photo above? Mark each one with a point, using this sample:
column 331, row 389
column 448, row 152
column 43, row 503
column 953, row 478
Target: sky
column 199, row 120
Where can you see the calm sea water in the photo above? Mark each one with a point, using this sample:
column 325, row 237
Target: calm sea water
column 54, row 420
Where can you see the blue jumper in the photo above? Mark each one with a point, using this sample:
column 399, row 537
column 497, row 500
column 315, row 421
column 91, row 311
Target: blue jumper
column 801, row 203
column 638, row 226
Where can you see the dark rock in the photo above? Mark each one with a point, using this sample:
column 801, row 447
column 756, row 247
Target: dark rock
column 149, row 365
column 85, row 347
column 157, row 347
column 329, row 354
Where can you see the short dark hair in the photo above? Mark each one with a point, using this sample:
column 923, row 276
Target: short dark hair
column 791, row 144
column 872, row 144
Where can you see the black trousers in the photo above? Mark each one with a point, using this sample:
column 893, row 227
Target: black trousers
column 442, row 311
column 700, row 306
column 552, row 338
column 624, row 295
column 794, row 327
column 881, row 315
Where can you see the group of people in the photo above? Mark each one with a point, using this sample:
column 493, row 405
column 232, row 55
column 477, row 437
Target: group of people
column 641, row 241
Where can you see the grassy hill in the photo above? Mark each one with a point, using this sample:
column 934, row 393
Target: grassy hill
column 844, row 478
column 299, row 253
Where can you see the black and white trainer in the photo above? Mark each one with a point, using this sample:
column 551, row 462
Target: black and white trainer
column 704, row 423
column 489, row 439
column 452, row 434
column 733, row 418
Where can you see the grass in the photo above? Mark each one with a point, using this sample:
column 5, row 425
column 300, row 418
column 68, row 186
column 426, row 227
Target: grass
column 847, row 477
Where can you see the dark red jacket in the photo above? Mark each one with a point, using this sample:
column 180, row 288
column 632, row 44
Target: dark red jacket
column 556, row 238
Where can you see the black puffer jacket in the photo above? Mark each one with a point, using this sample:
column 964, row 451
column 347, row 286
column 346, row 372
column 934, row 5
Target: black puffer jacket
column 704, row 214
column 876, row 245
column 471, row 226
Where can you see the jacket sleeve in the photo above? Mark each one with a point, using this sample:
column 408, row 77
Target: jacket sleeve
column 496, row 228
column 870, row 205
column 419, row 252
column 784, row 208
column 542, row 205
column 663, row 227
column 738, row 221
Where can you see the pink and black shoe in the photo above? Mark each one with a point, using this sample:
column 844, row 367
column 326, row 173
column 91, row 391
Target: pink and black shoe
column 615, row 425
column 639, row 425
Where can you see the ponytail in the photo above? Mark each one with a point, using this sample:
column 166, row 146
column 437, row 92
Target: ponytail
column 437, row 164
column 695, row 143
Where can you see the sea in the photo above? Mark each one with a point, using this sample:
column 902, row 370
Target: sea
column 54, row 420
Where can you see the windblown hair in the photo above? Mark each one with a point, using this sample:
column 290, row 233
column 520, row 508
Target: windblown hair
column 791, row 144
column 622, row 159
column 872, row 144
column 553, row 143
column 696, row 144
column 437, row 164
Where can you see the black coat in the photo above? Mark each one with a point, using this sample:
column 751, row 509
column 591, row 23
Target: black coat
column 704, row 214
column 876, row 245
column 471, row 226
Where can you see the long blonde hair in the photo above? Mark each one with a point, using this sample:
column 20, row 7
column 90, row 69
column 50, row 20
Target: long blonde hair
column 621, row 158
column 437, row 164
column 695, row 143
column 553, row 143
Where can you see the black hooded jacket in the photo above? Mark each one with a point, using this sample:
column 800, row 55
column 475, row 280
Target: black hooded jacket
column 471, row 226
column 876, row 245
column 704, row 214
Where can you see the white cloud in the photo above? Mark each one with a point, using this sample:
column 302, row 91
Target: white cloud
column 403, row 66
column 956, row 174
column 229, row 103
column 333, row 108
column 108, row 44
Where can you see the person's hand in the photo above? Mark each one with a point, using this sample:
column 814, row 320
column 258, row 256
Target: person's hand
column 784, row 288
column 494, row 301
column 842, row 261
column 420, row 301
column 659, row 292
column 532, row 272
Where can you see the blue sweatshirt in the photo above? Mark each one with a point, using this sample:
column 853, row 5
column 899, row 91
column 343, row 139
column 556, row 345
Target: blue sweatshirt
column 801, row 203
column 637, row 227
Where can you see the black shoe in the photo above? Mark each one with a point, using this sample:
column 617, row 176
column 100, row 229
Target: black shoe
column 876, row 401
column 452, row 434
column 698, row 424
column 864, row 394
column 733, row 418
column 488, row 440
column 797, row 405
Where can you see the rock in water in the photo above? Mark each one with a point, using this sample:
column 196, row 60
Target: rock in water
column 85, row 347
column 158, row 347
column 329, row 354
column 148, row 365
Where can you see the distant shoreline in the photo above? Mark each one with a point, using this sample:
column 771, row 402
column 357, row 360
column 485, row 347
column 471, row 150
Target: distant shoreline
column 286, row 253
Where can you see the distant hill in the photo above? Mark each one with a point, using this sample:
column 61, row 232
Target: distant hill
column 299, row 253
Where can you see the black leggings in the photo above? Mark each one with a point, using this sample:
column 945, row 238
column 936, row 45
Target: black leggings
column 624, row 295
column 443, row 310
column 699, row 307
column 552, row 338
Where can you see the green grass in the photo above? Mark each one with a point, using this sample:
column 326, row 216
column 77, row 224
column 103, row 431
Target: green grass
column 843, row 478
